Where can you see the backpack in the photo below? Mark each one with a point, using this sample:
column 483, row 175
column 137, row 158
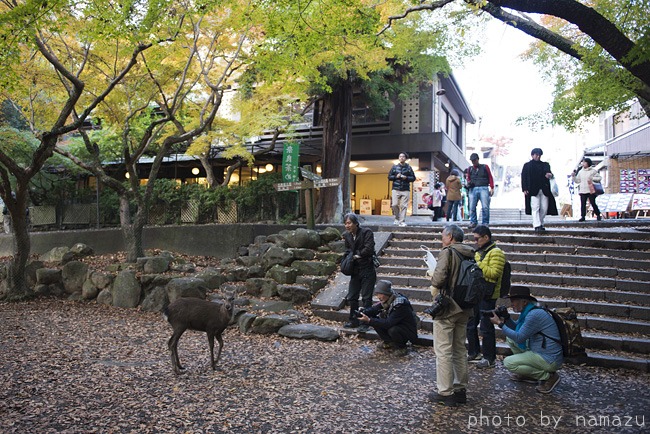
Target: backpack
column 566, row 319
column 470, row 286
column 506, row 280
column 347, row 264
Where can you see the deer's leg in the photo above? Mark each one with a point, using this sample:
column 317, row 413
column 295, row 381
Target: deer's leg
column 211, row 343
column 220, row 340
column 173, row 348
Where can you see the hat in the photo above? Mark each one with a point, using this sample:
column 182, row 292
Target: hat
column 473, row 157
column 520, row 292
column 383, row 287
column 537, row 151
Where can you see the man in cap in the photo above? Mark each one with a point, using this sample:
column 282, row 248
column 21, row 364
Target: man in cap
column 392, row 318
column 480, row 186
column 534, row 340
column 536, row 185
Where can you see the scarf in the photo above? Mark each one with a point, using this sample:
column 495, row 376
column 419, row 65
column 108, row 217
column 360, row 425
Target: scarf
column 520, row 322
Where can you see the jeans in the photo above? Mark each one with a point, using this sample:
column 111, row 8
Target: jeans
column 452, row 209
column 583, row 204
column 528, row 363
column 482, row 194
column 451, row 355
column 487, row 331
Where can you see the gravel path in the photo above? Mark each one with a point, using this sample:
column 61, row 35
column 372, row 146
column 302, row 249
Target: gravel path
column 80, row 368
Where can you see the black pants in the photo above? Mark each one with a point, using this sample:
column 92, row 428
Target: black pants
column 487, row 331
column 583, row 204
column 399, row 335
column 362, row 282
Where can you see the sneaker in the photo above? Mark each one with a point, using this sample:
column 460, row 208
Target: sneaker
column 351, row 324
column 401, row 352
column 581, row 219
column 402, row 224
column 396, row 222
column 448, row 401
column 599, row 217
column 522, row 378
column 383, row 345
column 542, row 228
column 547, row 386
column 485, row 363
column 460, row 396
column 363, row 328
column 474, row 358
column 472, row 225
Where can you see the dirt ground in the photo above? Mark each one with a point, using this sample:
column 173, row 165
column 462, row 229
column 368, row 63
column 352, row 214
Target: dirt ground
column 70, row 367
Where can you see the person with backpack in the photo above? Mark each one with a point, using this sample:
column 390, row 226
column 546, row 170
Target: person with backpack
column 491, row 260
column 534, row 339
column 450, row 323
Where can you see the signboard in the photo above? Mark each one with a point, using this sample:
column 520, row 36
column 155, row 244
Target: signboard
column 290, row 162
column 309, row 175
column 326, row 182
column 635, row 181
column 640, row 201
column 385, row 207
column 618, row 202
column 289, row 186
column 365, row 206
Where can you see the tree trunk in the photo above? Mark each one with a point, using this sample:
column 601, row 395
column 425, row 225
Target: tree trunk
column 131, row 231
column 209, row 171
column 16, row 281
column 334, row 202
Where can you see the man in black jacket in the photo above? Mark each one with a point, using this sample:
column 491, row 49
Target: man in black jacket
column 360, row 243
column 392, row 318
column 536, row 185
column 402, row 175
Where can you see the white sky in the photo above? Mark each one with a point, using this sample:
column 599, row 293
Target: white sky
column 500, row 87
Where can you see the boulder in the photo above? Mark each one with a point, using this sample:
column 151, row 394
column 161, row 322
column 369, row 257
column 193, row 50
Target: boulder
column 266, row 325
column 261, row 287
column 186, row 287
column 155, row 300
column 314, row 268
column 329, row 234
column 81, row 250
column 54, row 255
column 48, row 276
column 212, row 277
column 314, row 283
column 276, row 255
column 245, row 322
column 294, row 293
column 126, row 290
column 153, row 264
column 308, row 331
column 282, row 274
column 88, row 290
column 30, row 272
column 235, row 273
column 101, row 280
column 105, row 296
column 271, row 305
column 304, row 239
column 303, row 254
column 337, row 246
column 73, row 275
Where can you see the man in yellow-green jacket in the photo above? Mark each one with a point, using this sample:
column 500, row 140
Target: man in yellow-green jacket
column 491, row 260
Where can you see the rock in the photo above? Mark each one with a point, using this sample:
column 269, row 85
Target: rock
column 126, row 290
column 183, row 268
column 266, row 325
column 329, row 256
column 329, row 234
column 276, row 255
column 314, row 283
column 186, row 287
column 303, row 254
column 48, row 276
column 261, row 287
column 282, row 274
column 105, row 296
column 245, row 322
column 248, row 261
column 294, row 293
column 153, row 264
column 304, row 238
column 155, row 300
column 255, row 271
column 30, row 272
column 54, row 255
column 81, row 250
column 88, row 290
column 259, row 250
column 308, row 331
column 235, row 273
column 212, row 277
column 314, row 268
column 271, row 305
column 73, row 275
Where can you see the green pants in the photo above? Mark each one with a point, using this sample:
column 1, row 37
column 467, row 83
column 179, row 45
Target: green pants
column 528, row 363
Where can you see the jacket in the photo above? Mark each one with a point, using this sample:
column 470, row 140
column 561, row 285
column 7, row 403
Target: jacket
column 446, row 274
column 533, row 180
column 401, row 184
column 396, row 311
column 584, row 176
column 480, row 176
column 491, row 261
column 363, row 245
column 453, row 188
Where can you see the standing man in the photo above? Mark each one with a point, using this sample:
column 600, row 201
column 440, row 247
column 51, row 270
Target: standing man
column 402, row 175
column 450, row 325
column 534, row 340
column 480, row 185
column 536, row 186
column 360, row 243
column 491, row 261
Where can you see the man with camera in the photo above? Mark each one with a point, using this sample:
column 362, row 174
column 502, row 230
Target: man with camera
column 491, row 261
column 534, row 340
column 449, row 321
column 392, row 318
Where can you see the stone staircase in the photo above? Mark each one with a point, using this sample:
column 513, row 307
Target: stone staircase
column 600, row 269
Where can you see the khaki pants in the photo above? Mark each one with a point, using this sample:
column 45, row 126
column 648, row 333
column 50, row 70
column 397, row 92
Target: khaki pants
column 399, row 203
column 538, row 207
column 451, row 355
column 527, row 363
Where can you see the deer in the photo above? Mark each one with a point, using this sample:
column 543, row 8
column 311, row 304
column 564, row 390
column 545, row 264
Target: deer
column 200, row 315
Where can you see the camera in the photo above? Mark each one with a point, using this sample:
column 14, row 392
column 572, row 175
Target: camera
column 502, row 312
column 359, row 312
column 440, row 303
column 487, row 313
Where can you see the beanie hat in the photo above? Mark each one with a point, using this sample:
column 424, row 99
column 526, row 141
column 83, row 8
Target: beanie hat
column 383, row 287
column 473, row 157
column 537, row 151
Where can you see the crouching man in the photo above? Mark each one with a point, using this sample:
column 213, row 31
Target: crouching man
column 392, row 318
column 534, row 340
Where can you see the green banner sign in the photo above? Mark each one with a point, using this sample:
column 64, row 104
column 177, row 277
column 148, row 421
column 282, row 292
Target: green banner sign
column 290, row 162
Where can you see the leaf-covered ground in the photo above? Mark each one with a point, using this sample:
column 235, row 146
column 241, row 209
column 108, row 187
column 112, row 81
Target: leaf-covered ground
column 70, row 367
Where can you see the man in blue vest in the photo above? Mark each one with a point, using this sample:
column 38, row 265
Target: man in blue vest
column 480, row 186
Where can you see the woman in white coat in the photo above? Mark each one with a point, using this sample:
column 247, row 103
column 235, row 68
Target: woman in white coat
column 583, row 177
